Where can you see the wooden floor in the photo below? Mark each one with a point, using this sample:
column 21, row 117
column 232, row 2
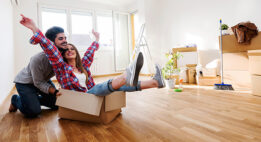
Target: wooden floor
column 199, row 114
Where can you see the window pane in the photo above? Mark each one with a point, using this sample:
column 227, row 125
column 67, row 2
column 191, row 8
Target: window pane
column 105, row 28
column 82, row 26
column 52, row 17
column 122, row 41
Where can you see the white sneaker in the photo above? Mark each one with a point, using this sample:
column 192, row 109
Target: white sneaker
column 158, row 77
column 133, row 71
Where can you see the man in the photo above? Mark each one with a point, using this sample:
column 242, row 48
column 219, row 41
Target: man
column 33, row 82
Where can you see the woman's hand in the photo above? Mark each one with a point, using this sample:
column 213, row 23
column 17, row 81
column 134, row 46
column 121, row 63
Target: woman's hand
column 29, row 23
column 97, row 35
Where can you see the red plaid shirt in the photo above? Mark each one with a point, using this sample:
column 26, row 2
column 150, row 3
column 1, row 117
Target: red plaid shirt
column 63, row 71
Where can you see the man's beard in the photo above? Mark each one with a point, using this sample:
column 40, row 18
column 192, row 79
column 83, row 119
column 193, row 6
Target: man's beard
column 62, row 50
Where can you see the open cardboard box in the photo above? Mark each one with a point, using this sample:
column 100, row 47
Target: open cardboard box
column 230, row 44
column 88, row 107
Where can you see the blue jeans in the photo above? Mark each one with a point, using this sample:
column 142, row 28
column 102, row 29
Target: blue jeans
column 31, row 98
column 105, row 88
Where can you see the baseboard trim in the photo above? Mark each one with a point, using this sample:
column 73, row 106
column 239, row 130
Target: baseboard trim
column 146, row 74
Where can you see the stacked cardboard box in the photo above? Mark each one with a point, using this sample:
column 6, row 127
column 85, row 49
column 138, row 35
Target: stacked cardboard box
column 255, row 70
column 208, row 81
column 235, row 70
column 236, row 62
column 88, row 107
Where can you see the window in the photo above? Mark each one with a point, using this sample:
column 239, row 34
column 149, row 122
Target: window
column 53, row 17
column 113, row 54
column 82, row 25
column 105, row 28
column 122, row 40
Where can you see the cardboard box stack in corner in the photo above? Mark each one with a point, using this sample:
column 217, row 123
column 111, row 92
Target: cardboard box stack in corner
column 236, row 61
column 88, row 107
column 255, row 70
column 235, row 70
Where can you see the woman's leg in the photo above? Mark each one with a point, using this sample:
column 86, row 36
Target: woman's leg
column 130, row 77
column 116, row 84
column 152, row 83
column 157, row 82
column 120, row 82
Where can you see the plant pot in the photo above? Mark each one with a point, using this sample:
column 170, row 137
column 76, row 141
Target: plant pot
column 170, row 83
column 225, row 32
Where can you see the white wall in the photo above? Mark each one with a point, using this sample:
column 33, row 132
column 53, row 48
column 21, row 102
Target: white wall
column 171, row 23
column 23, row 49
column 7, row 49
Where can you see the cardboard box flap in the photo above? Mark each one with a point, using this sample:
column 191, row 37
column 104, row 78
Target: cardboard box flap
column 115, row 100
column 78, row 101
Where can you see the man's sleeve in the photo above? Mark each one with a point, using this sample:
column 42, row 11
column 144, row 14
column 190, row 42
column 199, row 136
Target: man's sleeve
column 37, row 75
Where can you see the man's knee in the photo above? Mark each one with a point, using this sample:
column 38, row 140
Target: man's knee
column 32, row 111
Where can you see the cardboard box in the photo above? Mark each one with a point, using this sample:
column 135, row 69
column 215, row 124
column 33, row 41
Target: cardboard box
column 235, row 61
column 191, row 75
column 188, row 58
column 230, row 44
column 212, row 72
column 88, row 107
column 240, row 80
column 208, row 81
column 256, row 85
column 255, row 62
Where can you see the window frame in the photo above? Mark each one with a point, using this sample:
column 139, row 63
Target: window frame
column 94, row 12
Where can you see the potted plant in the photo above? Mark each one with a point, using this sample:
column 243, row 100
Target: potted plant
column 224, row 28
column 170, row 69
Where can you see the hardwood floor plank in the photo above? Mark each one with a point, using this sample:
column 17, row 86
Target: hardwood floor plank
column 24, row 131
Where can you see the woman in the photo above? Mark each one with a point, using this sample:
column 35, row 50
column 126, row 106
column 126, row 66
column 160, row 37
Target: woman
column 71, row 72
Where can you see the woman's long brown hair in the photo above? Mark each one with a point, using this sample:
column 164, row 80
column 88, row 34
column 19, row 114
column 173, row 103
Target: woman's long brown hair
column 79, row 65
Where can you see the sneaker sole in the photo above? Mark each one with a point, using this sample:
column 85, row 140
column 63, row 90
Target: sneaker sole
column 137, row 69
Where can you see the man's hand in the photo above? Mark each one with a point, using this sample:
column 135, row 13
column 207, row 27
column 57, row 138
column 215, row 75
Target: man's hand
column 58, row 94
column 97, row 35
column 29, row 23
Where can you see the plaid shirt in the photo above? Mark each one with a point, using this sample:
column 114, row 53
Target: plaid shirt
column 63, row 71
